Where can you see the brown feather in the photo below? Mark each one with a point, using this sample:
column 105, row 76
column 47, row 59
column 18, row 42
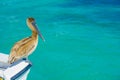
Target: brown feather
column 23, row 48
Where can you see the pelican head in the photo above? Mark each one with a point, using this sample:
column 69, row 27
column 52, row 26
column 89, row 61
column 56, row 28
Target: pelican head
column 33, row 26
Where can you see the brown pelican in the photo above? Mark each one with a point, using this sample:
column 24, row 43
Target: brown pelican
column 24, row 47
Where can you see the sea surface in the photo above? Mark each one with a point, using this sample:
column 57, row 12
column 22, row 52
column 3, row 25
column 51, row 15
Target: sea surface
column 82, row 37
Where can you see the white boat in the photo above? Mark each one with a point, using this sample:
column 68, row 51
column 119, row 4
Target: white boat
column 19, row 70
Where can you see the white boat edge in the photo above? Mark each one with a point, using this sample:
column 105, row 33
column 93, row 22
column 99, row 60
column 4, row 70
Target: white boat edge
column 16, row 71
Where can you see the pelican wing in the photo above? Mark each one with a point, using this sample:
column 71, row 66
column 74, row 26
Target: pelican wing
column 22, row 49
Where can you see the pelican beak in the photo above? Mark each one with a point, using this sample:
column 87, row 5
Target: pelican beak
column 38, row 31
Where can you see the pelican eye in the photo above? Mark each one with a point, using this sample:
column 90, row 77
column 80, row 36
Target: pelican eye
column 31, row 19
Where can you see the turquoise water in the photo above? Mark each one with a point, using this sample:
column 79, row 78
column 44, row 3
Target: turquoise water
column 82, row 37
